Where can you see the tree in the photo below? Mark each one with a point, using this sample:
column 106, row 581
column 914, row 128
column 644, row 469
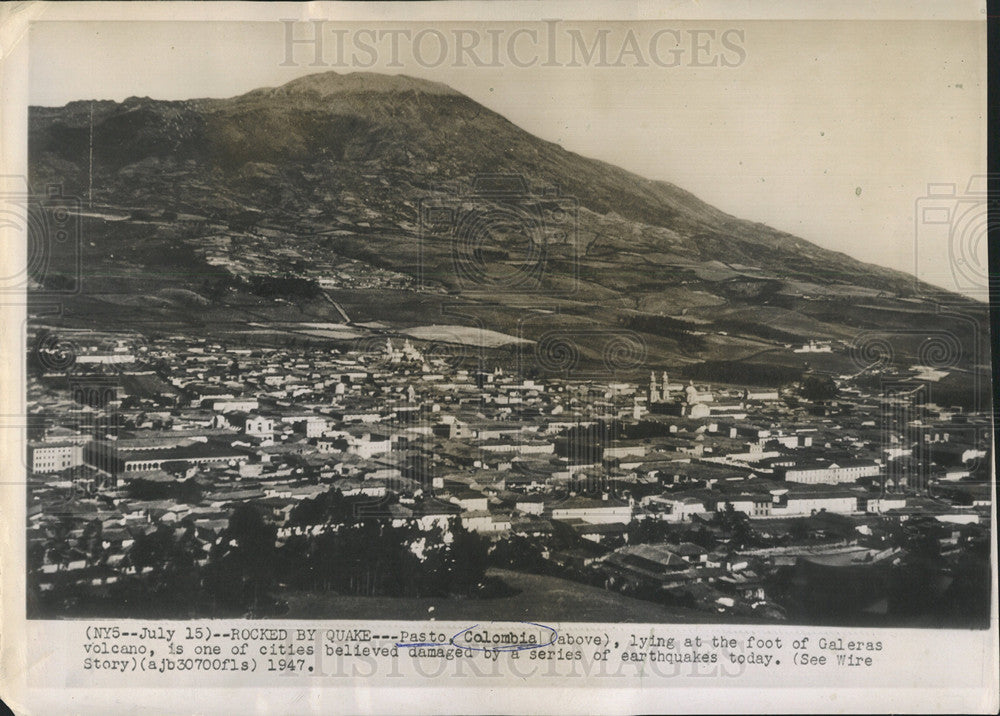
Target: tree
column 243, row 560
column 58, row 547
column 467, row 560
column 819, row 388
column 92, row 542
column 737, row 525
column 798, row 530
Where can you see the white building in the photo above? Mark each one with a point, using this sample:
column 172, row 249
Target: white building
column 592, row 510
column 56, row 456
column 368, row 445
column 677, row 508
column 531, row 504
column 785, row 503
column 833, row 473
column 878, row 505
column 259, row 426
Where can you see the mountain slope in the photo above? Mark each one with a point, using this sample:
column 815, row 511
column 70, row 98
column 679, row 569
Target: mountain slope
column 332, row 165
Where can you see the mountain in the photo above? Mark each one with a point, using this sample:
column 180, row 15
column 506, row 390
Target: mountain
column 376, row 175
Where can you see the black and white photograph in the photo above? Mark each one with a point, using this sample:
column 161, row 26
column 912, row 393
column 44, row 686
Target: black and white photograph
column 660, row 321
column 357, row 344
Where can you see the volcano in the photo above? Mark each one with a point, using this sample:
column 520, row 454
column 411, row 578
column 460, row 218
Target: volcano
column 475, row 221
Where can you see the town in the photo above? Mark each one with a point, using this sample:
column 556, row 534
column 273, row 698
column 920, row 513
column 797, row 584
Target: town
column 180, row 476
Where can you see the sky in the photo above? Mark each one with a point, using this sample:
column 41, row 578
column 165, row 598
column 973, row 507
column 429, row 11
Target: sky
column 831, row 130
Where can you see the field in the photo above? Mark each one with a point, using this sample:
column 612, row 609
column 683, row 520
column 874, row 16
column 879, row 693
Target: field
column 540, row 599
column 335, row 331
column 462, row 335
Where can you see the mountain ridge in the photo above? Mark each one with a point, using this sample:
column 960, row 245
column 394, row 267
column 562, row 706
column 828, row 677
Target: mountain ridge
column 341, row 164
column 653, row 202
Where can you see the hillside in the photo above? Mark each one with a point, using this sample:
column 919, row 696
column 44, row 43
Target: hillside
column 344, row 173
